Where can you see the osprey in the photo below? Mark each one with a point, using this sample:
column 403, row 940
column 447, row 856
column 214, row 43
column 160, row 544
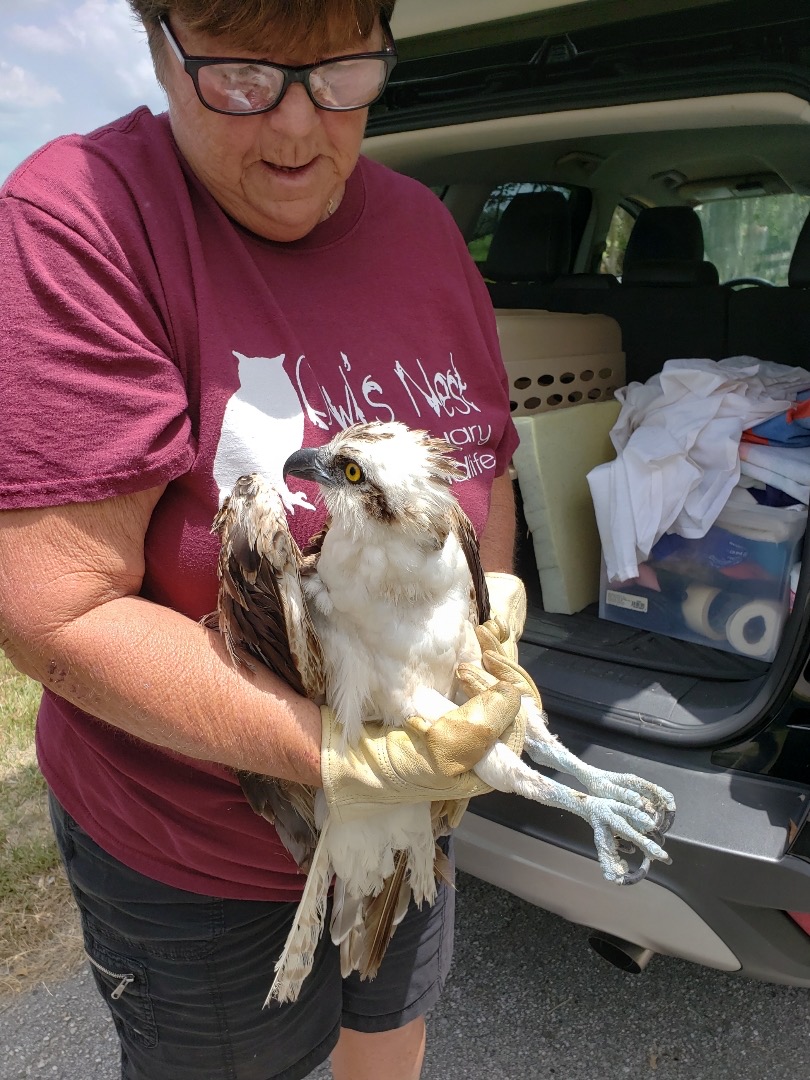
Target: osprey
column 381, row 619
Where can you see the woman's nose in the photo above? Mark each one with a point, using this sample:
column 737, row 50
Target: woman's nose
column 295, row 114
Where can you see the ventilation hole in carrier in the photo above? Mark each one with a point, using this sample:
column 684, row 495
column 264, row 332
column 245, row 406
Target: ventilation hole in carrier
column 554, row 399
column 567, row 377
column 512, row 406
column 594, row 394
column 586, row 375
column 532, row 403
column 523, row 383
column 605, row 373
column 575, row 396
column 545, row 380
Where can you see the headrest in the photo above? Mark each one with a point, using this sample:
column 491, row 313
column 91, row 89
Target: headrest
column 532, row 241
column 586, row 281
column 799, row 273
column 664, row 232
column 670, row 272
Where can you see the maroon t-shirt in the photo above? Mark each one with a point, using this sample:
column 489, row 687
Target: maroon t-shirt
column 147, row 339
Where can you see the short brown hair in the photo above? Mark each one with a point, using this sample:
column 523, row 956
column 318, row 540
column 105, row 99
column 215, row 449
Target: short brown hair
column 318, row 24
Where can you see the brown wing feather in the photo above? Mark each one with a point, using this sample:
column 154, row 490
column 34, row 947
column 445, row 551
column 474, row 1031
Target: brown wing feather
column 287, row 806
column 463, row 528
column 261, row 608
column 262, row 613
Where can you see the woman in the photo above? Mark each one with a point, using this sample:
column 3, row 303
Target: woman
column 187, row 298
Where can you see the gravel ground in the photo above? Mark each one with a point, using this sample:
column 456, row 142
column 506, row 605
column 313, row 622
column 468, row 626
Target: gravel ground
column 526, row 999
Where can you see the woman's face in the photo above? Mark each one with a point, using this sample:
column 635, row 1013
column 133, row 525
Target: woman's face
column 274, row 173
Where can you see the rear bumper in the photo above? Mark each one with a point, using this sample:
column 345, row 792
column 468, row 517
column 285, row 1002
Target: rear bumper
column 571, row 885
column 721, row 903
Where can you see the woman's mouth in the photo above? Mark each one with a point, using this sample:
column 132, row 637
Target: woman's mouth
column 290, row 170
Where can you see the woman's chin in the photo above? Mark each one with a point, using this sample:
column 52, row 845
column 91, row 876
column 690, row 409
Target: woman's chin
column 282, row 211
column 283, row 223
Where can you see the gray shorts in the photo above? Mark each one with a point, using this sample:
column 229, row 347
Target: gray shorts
column 201, row 968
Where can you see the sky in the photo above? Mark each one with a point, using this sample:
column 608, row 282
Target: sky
column 65, row 66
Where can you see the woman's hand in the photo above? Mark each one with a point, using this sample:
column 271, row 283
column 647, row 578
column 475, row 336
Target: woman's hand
column 420, row 762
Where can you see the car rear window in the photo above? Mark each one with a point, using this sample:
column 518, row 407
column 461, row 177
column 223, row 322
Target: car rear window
column 753, row 237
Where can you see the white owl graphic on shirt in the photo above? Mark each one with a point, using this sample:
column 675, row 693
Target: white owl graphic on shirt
column 263, row 424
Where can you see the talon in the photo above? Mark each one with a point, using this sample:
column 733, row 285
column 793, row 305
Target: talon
column 664, row 820
column 632, row 877
column 628, row 848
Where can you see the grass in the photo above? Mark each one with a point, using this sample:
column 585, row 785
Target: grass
column 39, row 933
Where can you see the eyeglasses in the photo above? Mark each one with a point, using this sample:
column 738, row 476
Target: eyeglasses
column 226, row 84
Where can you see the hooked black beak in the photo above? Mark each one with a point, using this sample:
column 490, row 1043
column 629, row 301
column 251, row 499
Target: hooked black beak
column 308, row 464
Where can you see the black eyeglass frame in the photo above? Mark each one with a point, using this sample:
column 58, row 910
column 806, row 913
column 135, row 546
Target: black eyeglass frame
column 298, row 74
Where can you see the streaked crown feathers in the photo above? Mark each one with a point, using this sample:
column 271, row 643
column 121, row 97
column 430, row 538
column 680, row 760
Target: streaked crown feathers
column 383, row 471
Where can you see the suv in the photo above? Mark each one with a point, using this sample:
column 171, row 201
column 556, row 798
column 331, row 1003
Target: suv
column 553, row 132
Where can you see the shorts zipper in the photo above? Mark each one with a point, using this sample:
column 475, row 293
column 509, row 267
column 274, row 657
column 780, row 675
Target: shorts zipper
column 126, row 980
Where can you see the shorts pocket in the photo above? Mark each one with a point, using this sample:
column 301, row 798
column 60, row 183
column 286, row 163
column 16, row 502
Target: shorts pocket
column 124, row 985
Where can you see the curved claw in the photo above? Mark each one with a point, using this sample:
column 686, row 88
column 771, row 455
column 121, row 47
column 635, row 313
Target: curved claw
column 632, row 877
column 625, row 833
column 626, row 847
column 664, row 820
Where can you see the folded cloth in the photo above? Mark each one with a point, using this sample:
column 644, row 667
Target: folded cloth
column 791, row 428
column 677, row 439
column 783, row 467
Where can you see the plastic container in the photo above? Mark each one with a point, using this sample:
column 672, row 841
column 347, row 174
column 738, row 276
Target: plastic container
column 557, row 359
column 729, row 590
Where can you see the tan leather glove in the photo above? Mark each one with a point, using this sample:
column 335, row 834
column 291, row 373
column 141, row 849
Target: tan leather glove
column 497, row 663
column 420, row 762
column 447, row 816
column 507, row 601
column 493, row 636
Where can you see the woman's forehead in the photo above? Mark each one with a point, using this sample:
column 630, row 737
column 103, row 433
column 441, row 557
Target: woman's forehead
column 295, row 34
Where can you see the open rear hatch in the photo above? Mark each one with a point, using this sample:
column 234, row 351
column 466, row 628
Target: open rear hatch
column 575, row 57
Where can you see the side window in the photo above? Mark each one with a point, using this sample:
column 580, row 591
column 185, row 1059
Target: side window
column 621, row 224
column 499, row 199
column 753, row 237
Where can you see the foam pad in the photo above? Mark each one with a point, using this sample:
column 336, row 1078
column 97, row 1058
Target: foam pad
column 557, row 450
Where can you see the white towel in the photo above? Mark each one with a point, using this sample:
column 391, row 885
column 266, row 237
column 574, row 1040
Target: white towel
column 784, row 467
column 677, row 439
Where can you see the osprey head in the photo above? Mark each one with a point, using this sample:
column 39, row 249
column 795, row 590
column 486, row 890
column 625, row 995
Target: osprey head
column 382, row 472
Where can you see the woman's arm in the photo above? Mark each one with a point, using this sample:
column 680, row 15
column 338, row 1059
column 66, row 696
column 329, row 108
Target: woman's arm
column 498, row 538
column 70, row 617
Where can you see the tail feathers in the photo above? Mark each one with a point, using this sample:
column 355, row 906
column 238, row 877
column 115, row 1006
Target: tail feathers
column 347, row 912
column 366, row 932
column 351, row 950
column 297, row 958
column 443, row 868
column 361, row 926
column 382, row 916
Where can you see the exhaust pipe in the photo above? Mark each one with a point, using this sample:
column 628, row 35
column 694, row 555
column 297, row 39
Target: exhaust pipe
column 622, row 954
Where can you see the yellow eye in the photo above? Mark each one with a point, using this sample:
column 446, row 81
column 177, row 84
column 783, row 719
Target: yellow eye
column 353, row 472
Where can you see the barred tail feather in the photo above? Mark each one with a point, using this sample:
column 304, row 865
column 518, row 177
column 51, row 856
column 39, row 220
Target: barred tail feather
column 295, row 962
column 385, row 912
